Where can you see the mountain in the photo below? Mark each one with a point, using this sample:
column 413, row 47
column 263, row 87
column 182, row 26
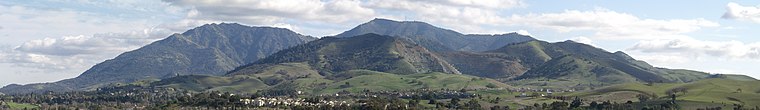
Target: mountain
column 233, row 57
column 211, row 49
column 460, row 50
column 572, row 64
column 435, row 38
column 328, row 65
column 369, row 51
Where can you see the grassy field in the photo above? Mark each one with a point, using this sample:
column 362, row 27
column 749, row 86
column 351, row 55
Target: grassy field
column 371, row 80
column 21, row 106
column 706, row 91
column 309, row 81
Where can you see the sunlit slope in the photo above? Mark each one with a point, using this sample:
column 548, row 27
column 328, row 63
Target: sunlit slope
column 712, row 90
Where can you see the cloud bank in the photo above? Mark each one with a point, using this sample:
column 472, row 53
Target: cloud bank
column 608, row 24
column 744, row 13
column 696, row 48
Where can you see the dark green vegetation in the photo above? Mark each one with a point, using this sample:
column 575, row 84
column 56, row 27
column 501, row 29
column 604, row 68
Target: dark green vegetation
column 211, row 49
column 369, row 51
column 380, row 64
column 575, row 65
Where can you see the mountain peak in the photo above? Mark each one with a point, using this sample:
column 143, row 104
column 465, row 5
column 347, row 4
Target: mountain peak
column 389, row 21
column 432, row 37
column 396, row 28
column 235, row 25
column 569, row 41
column 382, row 20
column 211, row 25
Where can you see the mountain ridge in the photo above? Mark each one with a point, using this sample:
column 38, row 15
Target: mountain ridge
column 435, row 38
column 362, row 52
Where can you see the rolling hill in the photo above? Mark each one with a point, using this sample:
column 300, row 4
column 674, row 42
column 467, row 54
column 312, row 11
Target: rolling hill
column 329, row 65
column 570, row 64
column 711, row 91
column 369, row 51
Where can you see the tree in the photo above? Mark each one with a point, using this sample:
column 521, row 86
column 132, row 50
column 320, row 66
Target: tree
column 642, row 97
column 491, row 85
column 576, row 103
column 559, row 105
column 346, row 85
column 412, row 103
column 673, row 98
column 454, row 103
column 544, row 106
column 739, row 90
column 496, row 101
column 473, row 104
column 593, row 104
column 605, row 105
column 500, row 107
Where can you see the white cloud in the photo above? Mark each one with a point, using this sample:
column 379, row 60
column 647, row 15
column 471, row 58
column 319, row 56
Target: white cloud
column 77, row 52
column 65, row 42
column 29, row 23
column 467, row 16
column 609, row 24
column 662, row 59
column 268, row 12
column 696, row 48
column 46, row 63
column 286, row 26
column 744, row 13
column 94, row 44
column 582, row 39
column 523, row 32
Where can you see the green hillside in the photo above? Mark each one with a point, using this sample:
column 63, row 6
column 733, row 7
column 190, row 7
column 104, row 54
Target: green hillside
column 370, row 51
column 488, row 65
column 573, row 72
column 712, row 90
column 352, row 81
column 331, row 65
column 683, row 75
column 375, row 81
column 572, row 65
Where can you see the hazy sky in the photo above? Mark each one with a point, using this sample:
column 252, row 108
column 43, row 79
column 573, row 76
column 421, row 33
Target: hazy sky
column 50, row 40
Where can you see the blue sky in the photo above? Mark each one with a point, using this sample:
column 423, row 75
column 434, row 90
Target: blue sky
column 50, row 40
